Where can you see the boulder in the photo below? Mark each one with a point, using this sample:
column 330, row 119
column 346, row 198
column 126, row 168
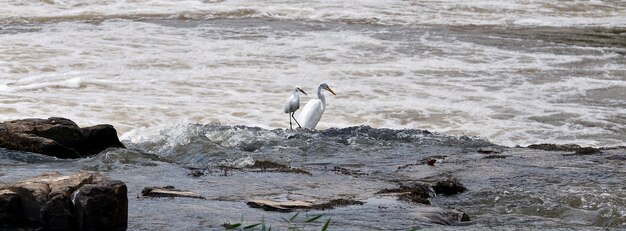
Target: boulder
column 9, row 202
column 101, row 206
column 82, row 201
column 57, row 137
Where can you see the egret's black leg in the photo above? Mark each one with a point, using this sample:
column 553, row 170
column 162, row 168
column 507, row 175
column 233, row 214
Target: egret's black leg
column 290, row 127
column 294, row 119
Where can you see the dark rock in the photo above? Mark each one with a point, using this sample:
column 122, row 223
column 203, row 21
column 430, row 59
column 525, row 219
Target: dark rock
column 587, row 151
column 57, row 137
column 268, row 166
column 577, row 149
column 495, row 157
column 555, row 147
column 98, row 138
column 196, row 173
column 291, row 205
column 448, row 217
column 449, row 187
column 350, row 172
column 82, row 201
column 9, row 204
column 101, row 206
column 168, row 191
column 33, row 196
column 334, row 203
column 488, row 150
column 58, row 213
column 415, row 192
column 464, row 217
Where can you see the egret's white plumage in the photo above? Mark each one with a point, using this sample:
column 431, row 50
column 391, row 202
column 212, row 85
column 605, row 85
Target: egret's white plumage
column 292, row 104
column 313, row 110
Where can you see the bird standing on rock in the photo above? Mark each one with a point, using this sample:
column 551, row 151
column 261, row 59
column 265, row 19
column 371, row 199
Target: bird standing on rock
column 313, row 110
column 292, row 104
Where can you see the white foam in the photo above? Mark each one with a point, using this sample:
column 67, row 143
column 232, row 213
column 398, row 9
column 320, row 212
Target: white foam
column 485, row 12
column 145, row 77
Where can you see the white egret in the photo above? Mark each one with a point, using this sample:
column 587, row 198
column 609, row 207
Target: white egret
column 313, row 110
column 292, row 104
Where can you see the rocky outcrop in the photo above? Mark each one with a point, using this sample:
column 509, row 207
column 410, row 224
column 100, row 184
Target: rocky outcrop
column 57, row 137
column 82, row 201
column 9, row 202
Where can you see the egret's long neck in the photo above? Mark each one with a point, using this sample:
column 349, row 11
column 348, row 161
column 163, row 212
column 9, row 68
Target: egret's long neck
column 320, row 95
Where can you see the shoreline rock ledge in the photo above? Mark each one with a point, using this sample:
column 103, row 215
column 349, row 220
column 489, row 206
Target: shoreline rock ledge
column 58, row 137
column 51, row 201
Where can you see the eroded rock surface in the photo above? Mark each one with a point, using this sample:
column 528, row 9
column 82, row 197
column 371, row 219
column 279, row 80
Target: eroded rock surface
column 57, row 137
column 82, row 201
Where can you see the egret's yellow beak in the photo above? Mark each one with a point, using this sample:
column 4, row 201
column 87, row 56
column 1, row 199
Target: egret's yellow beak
column 302, row 91
column 331, row 91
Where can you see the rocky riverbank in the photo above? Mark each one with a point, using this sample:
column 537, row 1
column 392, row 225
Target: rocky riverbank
column 204, row 176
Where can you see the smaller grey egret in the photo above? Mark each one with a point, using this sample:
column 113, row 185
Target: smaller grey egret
column 292, row 104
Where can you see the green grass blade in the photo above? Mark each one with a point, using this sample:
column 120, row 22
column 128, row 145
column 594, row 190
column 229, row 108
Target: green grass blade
column 263, row 227
column 325, row 227
column 294, row 217
column 233, row 226
column 251, row 226
column 314, row 218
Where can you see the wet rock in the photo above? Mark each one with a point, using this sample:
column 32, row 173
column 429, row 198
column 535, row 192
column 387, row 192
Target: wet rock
column 446, row 216
column 57, row 137
column 577, row 149
column 168, row 191
column 488, row 150
column 587, row 151
column 33, row 196
column 350, row 172
column 495, row 157
column 279, row 206
column 268, row 166
column 55, row 202
column 430, row 161
column 449, row 187
column 196, row 173
column 289, row 206
column 334, row 203
column 9, row 204
column 555, row 147
column 415, row 193
column 101, row 206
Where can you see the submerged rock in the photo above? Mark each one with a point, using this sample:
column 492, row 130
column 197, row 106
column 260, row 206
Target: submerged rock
column 290, row 205
column 168, row 191
column 279, row 206
column 58, row 137
column 449, row 187
column 415, row 193
column 82, row 201
column 577, row 149
column 269, row 166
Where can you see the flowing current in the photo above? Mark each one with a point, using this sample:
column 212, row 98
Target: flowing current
column 515, row 73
